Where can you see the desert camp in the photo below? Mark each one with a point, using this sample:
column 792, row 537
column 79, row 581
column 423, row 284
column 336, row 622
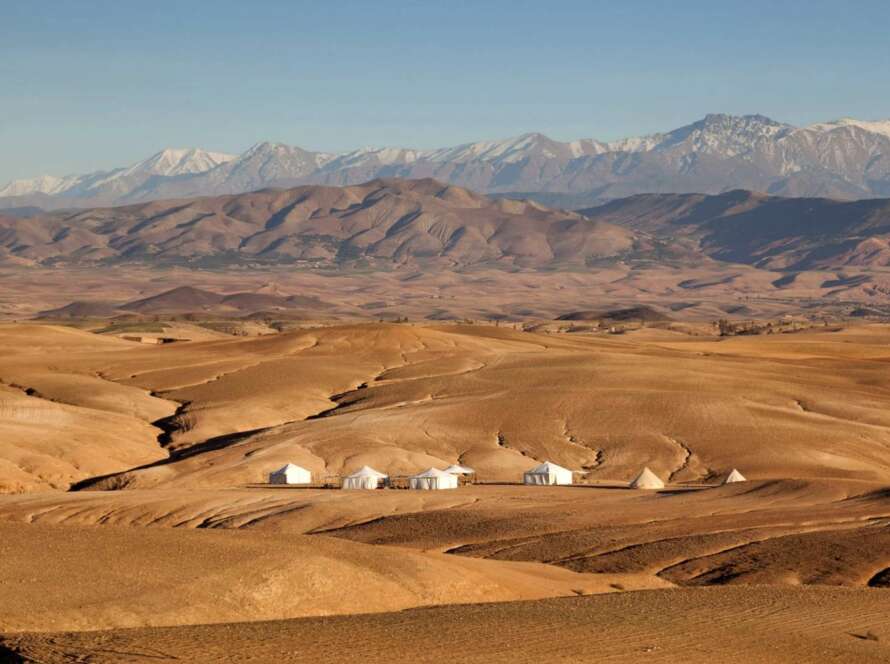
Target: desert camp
column 547, row 473
column 433, row 479
column 734, row 476
column 646, row 479
column 455, row 475
column 364, row 478
column 229, row 431
column 290, row 474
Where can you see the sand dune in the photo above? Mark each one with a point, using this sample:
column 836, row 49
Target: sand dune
column 500, row 400
column 689, row 625
column 783, row 532
column 187, row 534
column 235, row 576
column 61, row 420
column 402, row 398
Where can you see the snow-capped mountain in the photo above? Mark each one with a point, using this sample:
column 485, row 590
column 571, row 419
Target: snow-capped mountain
column 880, row 127
column 42, row 184
column 172, row 162
column 844, row 158
column 260, row 166
column 725, row 135
column 168, row 163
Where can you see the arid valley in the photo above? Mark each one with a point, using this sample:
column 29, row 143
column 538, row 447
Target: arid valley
column 149, row 462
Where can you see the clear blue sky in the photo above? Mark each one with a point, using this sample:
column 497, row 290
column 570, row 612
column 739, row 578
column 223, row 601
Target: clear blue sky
column 87, row 85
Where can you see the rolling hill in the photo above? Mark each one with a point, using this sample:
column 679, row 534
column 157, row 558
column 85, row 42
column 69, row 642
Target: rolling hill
column 386, row 224
column 765, row 231
column 383, row 222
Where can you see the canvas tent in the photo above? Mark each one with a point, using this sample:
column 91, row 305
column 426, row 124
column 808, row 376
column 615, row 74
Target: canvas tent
column 734, row 476
column 457, row 469
column 646, row 480
column 290, row 474
column 432, row 479
column 547, row 473
column 364, row 478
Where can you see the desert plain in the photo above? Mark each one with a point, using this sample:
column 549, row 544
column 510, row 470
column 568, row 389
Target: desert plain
column 138, row 525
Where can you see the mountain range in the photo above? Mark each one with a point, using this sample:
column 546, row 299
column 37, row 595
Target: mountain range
column 386, row 224
column 847, row 159
column 767, row 232
column 380, row 224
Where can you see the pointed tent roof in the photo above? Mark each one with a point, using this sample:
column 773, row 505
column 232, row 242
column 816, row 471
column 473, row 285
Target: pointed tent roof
column 286, row 467
column 367, row 471
column 432, row 472
column 457, row 469
column 647, row 480
column 734, row 476
column 546, row 468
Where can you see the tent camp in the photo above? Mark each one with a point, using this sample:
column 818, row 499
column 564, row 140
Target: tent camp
column 432, row 479
column 457, row 469
column 547, row 473
column 646, row 480
column 364, row 478
column 290, row 474
column 734, row 476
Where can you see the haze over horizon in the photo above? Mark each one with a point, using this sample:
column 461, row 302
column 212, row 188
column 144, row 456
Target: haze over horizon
column 423, row 76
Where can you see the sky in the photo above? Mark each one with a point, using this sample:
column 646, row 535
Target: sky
column 88, row 85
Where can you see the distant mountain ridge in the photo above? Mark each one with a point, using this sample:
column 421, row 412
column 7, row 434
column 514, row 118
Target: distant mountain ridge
column 388, row 224
column 845, row 158
column 383, row 223
column 769, row 232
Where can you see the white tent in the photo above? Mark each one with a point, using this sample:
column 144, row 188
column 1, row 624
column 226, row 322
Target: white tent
column 734, row 476
column 457, row 469
column 547, row 473
column 647, row 480
column 364, row 478
column 290, row 474
column 431, row 479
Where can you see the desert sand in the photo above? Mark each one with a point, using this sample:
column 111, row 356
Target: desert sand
column 135, row 499
column 758, row 624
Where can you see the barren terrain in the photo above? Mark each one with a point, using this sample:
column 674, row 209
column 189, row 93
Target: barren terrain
column 136, row 496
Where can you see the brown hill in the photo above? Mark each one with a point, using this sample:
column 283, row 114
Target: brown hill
column 639, row 313
column 765, row 231
column 82, row 309
column 187, row 300
column 380, row 222
column 183, row 298
column 433, row 226
column 230, row 409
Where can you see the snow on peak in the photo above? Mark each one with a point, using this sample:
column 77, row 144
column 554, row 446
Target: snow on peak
column 716, row 133
column 721, row 135
column 168, row 163
column 385, row 156
column 509, row 150
column 881, row 127
column 179, row 161
column 267, row 151
column 43, row 184
column 263, row 147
